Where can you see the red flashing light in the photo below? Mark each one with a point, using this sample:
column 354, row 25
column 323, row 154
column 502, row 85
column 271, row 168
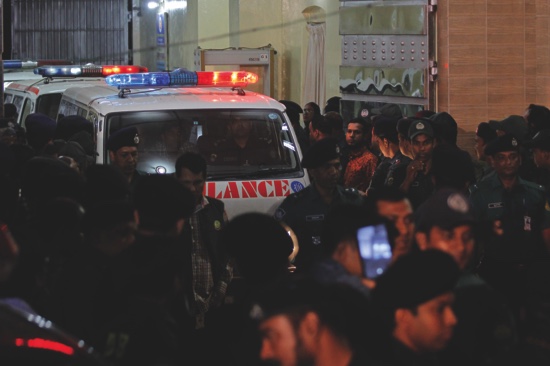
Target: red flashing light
column 44, row 344
column 116, row 69
column 225, row 78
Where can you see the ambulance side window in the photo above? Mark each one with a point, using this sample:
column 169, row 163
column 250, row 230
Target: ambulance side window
column 25, row 110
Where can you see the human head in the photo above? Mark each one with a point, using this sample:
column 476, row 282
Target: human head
column 445, row 128
column 405, row 146
column 191, row 172
column 540, row 144
column 445, row 221
column 162, row 204
column 385, row 135
column 40, row 130
column 512, row 125
column 10, row 111
column 293, row 111
column 302, row 322
column 389, row 110
column 412, row 300
column 537, row 117
column 259, row 245
column 339, row 235
column 422, row 139
column 452, row 168
column 505, row 155
column 105, row 183
column 110, row 226
column 333, row 105
column 123, row 149
column 319, row 128
column 336, row 122
column 70, row 125
column 322, row 160
column 484, row 134
column 311, row 110
column 392, row 204
column 357, row 132
column 240, row 127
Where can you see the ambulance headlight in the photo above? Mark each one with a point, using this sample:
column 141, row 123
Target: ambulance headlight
column 160, row 170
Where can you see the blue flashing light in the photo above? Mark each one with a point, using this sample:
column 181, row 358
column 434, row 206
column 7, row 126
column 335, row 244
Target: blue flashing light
column 178, row 77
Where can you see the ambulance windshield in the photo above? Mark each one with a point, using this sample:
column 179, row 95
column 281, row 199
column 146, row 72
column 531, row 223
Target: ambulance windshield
column 236, row 143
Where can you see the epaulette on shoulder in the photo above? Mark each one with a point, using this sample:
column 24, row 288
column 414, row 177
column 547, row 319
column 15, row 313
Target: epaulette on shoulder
column 534, row 186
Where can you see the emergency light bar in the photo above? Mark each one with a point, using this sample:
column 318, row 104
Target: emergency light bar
column 87, row 70
column 18, row 64
column 182, row 77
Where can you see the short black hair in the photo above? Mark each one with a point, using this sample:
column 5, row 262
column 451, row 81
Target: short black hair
column 322, row 124
column 363, row 121
column 161, row 201
column 316, row 108
column 193, row 161
column 342, row 222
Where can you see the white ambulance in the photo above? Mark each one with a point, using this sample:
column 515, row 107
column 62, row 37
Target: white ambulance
column 43, row 95
column 204, row 112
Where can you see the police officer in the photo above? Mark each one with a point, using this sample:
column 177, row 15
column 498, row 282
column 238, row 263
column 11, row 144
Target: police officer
column 386, row 137
column 123, row 153
column 305, row 211
column 515, row 208
column 418, row 184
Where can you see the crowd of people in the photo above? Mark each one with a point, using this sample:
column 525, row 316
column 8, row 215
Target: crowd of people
column 150, row 271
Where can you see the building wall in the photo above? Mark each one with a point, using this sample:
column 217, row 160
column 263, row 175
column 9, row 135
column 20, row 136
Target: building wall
column 215, row 24
column 494, row 59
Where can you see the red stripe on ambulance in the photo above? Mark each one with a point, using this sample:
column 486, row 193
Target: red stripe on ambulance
column 248, row 189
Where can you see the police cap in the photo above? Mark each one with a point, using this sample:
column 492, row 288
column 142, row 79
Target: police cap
column 446, row 208
column 506, row 142
column 420, row 127
column 127, row 136
column 540, row 141
column 514, row 125
column 415, row 278
column 321, row 152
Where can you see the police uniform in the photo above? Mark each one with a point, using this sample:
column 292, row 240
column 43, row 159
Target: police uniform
column 306, row 210
column 127, row 136
column 520, row 210
column 397, row 170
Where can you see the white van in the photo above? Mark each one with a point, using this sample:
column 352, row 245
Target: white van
column 172, row 120
column 43, row 95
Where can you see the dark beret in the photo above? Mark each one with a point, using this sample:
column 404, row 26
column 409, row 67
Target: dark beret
column 486, row 132
column 416, row 278
column 447, row 209
column 40, row 124
column 541, row 140
column 127, row 136
column 506, row 142
column 321, row 152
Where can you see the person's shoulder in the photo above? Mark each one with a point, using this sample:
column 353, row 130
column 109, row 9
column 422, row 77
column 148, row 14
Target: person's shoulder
column 350, row 192
column 215, row 202
column 297, row 197
column 532, row 186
